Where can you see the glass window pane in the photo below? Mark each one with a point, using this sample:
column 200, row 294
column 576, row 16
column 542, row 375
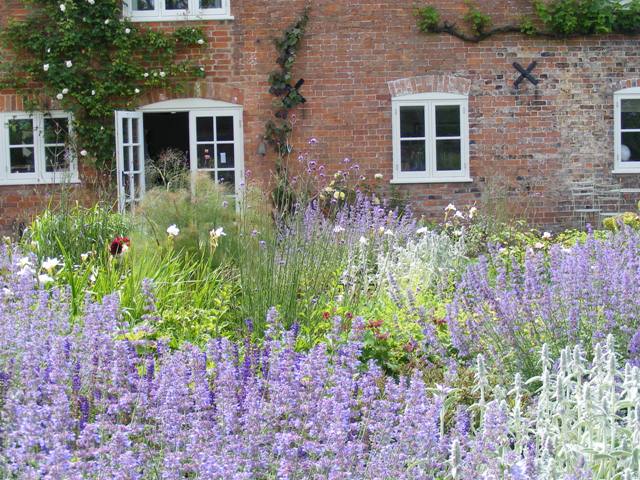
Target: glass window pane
column 57, row 159
column 227, row 179
column 22, row 160
column 176, row 4
column 412, row 122
column 143, row 5
column 204, row 129
column 225, row 156
column 224, row 128
column 134, row 130
column 21, row 132
column 630, row 149
column 210, row 3
column 125, row 130
column 631, row 114
column 447, row 120
column 136, row 158
column 413, row 156
column 56, row 130
column 206, row 154
column 126, row 158
column 448, row 155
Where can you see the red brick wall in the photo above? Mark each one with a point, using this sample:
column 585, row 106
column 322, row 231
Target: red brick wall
column 526, row 144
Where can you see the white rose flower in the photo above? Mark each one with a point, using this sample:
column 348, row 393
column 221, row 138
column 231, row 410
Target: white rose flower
column 93, row 92
column 162, row 74
column 145, row 74
column 91, row 2
column 65, row 91
column 59, row 96
column 63, row 7
column 200, row 41
column 127, row 31
column 137, row 90
column 83, row 153
column 68, row 64
column 45, row 67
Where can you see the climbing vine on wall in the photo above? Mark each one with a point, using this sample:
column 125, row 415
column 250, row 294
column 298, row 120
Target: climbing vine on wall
column 287, row 94
column 82, row 56
column 551, row 18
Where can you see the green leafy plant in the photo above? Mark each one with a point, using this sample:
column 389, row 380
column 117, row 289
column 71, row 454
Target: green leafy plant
column 85, row 58
column 478, row 20
column 428, row 18
column 79, row 229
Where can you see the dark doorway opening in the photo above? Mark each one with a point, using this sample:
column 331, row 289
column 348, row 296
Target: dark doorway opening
column 166, row 136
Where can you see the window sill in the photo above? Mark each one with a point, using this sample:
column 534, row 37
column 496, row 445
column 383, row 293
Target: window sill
column 403, row 181
column 625, row 172
column 178, row 18
column 19, row 182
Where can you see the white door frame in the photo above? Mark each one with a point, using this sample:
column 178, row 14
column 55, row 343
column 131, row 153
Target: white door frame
column 195, row 107
column 126, row 166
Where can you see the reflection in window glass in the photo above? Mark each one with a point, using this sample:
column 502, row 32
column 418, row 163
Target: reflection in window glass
column 412, row 122
column 143, row 5
column 176, row 4
column 413, row 155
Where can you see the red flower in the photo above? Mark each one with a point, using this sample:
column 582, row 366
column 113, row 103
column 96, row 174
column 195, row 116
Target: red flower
column 325, row 315
column 118, row 245
column 374, row 324
column 349, row 315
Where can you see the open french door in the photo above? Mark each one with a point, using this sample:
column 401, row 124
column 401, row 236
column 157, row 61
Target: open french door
column 129, row 158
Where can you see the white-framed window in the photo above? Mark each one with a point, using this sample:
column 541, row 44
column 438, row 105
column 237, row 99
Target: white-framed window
column 172, row 10
column 34, row 148
column 627, row 131
column 430, row 138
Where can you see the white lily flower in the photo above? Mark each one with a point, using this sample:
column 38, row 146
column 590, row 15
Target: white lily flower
column 173, row 231
column 50, row 263
column 43, row 279
column 422, row 230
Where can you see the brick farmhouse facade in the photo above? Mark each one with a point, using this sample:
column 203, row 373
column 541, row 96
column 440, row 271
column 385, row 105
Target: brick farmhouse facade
column 525, row 145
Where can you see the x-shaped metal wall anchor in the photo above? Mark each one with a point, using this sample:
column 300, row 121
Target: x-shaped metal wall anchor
column 525, row 74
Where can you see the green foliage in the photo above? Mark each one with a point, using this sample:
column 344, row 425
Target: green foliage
column 478, row 21
column 101, row 61
column 561, row 18
column 630, row 219
column 78, row 228
column 428, row 18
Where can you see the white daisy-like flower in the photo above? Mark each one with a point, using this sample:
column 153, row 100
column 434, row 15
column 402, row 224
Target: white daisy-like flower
column 44, row 279
column 50, row 263
column 173, row 231
column 68, row 64
column 45, row 67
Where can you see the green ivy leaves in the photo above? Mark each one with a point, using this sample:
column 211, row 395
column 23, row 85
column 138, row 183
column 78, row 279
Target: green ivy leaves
column 84, row 54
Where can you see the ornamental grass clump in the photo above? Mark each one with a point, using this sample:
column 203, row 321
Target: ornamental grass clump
column 77, row 400
column 565, row 296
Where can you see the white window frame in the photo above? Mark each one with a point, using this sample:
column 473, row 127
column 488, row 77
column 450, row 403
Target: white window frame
column 618, row 97
column 193, row 12
column 40, row 175
column 431, row 175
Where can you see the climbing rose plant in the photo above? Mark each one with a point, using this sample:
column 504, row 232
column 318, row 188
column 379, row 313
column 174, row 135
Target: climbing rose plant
column 82, row 56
